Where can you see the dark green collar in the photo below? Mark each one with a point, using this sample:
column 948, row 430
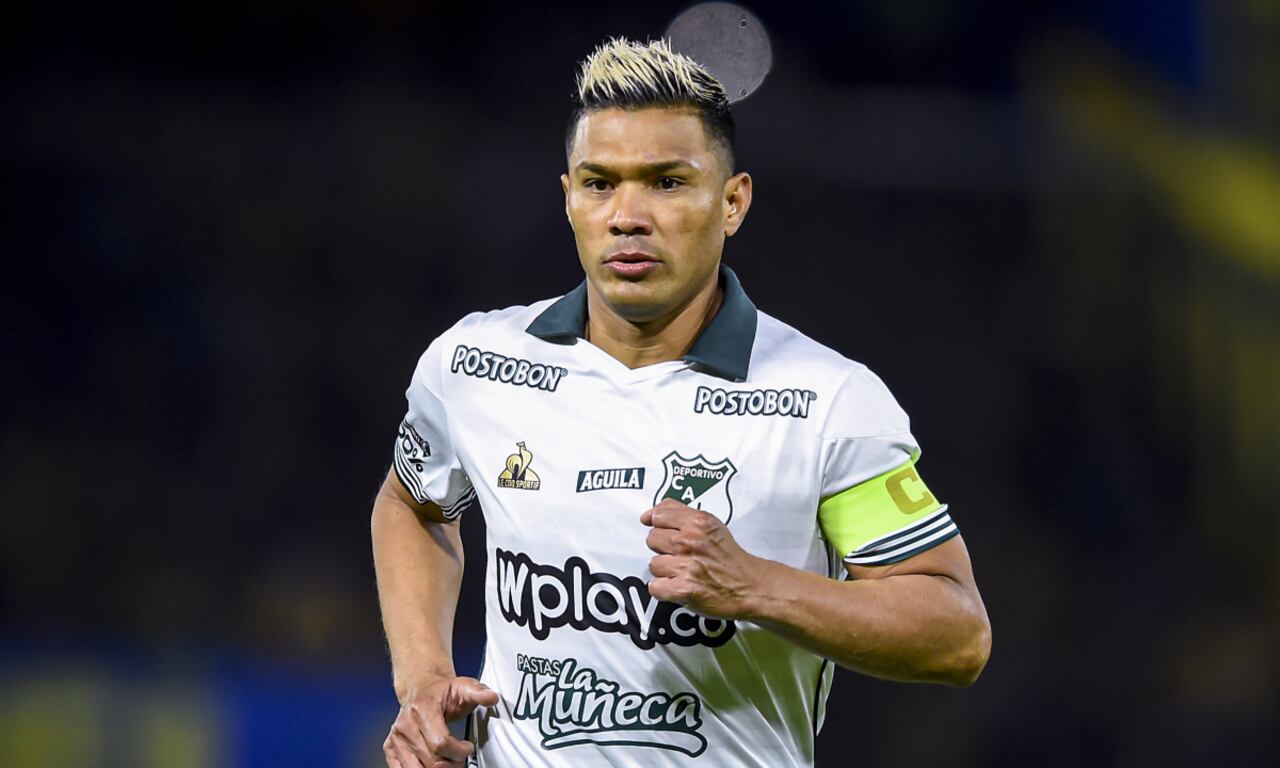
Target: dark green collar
column 724, row 347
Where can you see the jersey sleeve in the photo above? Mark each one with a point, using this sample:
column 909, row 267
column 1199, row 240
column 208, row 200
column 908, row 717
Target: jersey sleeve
column 425, row 459
column 875, row 509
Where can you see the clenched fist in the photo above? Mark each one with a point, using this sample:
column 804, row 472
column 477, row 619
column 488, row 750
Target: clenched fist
column 699, row 564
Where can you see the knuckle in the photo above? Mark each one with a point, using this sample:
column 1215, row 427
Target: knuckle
column 437, row 743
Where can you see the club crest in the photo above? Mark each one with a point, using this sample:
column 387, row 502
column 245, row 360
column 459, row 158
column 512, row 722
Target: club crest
column 699, row 483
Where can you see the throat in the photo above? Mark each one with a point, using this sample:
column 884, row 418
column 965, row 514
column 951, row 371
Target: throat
column 661, row 340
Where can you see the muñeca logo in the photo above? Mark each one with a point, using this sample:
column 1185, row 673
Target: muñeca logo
column 575, row 705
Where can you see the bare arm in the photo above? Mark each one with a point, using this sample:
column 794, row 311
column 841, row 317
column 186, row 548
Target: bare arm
column 417, row 555
column 920, row 620
column 418, row 560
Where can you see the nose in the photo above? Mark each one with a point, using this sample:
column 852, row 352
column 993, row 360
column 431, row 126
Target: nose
column 630, row 214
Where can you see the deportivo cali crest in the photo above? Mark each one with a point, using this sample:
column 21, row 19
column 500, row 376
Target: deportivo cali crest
column 699, row 483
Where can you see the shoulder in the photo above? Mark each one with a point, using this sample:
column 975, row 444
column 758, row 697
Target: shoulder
column 505, row 325
column 499, row 322
column 496, row 331
column 780, row 349
column 853, row 398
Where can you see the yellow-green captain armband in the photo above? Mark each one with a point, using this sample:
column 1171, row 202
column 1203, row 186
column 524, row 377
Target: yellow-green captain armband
column 885, row 519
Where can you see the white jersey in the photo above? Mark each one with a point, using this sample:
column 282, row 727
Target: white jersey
column 787, row 442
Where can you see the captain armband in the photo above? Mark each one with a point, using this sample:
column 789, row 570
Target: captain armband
column 885, row 519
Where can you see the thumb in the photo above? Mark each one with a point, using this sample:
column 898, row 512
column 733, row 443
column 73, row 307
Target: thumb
column 471, row 692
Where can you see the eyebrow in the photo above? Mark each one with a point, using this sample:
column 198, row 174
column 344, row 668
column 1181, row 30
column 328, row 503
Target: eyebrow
column 649, row 169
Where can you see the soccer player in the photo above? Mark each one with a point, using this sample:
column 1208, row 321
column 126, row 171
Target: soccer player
column 692, row 509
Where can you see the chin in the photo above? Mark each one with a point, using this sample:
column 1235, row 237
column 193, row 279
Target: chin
column 634, row 301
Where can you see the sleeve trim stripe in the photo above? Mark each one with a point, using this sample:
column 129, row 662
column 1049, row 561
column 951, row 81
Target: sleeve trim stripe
column 466, row 497
column 458, row 507
column 898, row 544
column 910, row 550
column 896, row 538
column 408, row 478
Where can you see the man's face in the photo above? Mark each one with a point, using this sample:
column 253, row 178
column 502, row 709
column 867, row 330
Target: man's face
column 650, row 202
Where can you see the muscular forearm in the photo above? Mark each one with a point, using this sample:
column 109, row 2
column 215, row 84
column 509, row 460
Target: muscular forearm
column 911, row 627
column 419, row 570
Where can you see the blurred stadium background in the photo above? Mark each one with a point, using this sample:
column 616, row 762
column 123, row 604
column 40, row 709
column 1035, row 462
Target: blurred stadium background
column 230, row 228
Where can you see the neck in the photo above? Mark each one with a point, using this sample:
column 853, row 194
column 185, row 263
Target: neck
column 665, row 338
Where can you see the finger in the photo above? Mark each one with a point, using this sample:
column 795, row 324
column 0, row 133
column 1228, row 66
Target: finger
column 437, row 742
column 665, row 541
column 669, row 514
column 664, row 566
column 407, row 741
column 389, row 752
column 403, row 757
column 472, row 693
column 666, row 589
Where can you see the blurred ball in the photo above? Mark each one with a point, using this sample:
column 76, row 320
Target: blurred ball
column 729, row 41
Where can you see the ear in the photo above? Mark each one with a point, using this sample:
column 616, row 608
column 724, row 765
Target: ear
column 564, row 184
column 737, row 199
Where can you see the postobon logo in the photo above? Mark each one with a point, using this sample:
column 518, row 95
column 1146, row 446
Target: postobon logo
column 508, row 370
column 574, row 705
column 754, row 402
column 544, row 597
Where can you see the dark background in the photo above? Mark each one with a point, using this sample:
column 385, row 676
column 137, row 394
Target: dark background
column 230, row 229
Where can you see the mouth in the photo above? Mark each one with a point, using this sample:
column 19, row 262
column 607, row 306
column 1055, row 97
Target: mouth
column 631, row 263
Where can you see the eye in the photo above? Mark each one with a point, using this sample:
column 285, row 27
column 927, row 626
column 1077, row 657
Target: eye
column 668, row 183
column 596, row 185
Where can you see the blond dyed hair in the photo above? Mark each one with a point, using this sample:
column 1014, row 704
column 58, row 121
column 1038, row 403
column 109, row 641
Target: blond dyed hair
column 627, row 74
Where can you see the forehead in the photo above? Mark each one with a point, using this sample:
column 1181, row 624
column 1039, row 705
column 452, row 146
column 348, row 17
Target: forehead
column 617, row 135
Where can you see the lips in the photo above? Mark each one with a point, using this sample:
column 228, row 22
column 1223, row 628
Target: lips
column 631, row 264
column 630, row 257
